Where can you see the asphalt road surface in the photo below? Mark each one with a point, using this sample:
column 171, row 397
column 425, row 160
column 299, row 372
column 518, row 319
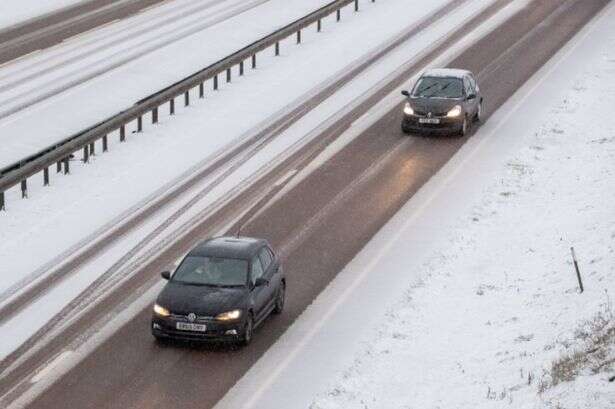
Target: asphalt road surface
column 321, row 224
column 54, row 27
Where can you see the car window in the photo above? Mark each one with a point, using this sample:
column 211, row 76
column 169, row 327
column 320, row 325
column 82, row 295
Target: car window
column 266, row 258
column 438, row 87
column 467, row 86
column 211, row 271
column 472, row 83
column 257, row 269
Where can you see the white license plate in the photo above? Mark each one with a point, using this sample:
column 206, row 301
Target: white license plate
column 184, row 326
column 429, row 120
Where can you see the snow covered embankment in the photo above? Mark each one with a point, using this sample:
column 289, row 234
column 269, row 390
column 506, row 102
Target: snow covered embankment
column 498, row 320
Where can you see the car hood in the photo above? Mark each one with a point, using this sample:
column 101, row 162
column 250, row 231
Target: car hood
column 437, row 106
column 202, row 300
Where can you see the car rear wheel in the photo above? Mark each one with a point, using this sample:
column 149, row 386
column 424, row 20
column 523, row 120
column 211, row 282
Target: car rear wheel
column 280, row 299
column 247, row 331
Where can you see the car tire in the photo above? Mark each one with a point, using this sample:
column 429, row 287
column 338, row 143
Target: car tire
column 280, row 299
column 479, row 113
column 463, row 131
column 405, row 130
column 248, row 331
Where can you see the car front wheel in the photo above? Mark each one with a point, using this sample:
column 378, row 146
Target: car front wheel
column 280, row 299
column 479, row 113
column 247, row 331
column 463, row 131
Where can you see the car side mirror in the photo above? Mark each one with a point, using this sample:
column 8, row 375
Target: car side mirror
column 166, row 275
column 261, row 282
column 471, row 96
column 405, row 93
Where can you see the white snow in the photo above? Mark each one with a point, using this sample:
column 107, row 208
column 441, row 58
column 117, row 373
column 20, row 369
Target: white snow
column 13, row 12
column 52, row 221
column 135, row 58
column 468, row 295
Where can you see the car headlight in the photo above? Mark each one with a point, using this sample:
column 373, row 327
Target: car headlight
column 408, row 109
column 455, row 112
column 229, row 315
column 159, row 310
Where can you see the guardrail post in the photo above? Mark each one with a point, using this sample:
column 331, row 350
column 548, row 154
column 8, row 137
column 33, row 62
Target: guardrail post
column 277, row 48
column 93, row 148
column 319, row 25
column 253, row 61
column 216, row 82
column 228, row 75
column 241, row 68
column 155, row 115
column 59, row 167
column 24, row 188
column 338, row 14
column 172, row 106
column 67, row 165
column 356, row 5
column 105, row 143
column 298, row 36
column 122, row 133
column 140, row 124
column 201, row 90
column 187, row 98
column 46, row 177
column 2, row 201
column 86, row 155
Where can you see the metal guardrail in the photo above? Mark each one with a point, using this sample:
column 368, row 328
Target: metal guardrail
column 60, row 153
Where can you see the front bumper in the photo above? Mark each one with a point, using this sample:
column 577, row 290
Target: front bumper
column 215, row 330
column 446, row 125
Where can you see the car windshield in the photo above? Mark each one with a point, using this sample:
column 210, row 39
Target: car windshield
column 438, row 87
column 212, row 271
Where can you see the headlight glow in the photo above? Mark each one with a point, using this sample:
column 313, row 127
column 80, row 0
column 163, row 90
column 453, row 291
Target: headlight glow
column 163, row 312
column 408, row 109
column 455, row 112
column 229, row 315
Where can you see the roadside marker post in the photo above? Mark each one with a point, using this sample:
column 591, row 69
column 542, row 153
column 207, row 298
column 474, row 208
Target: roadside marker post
column 576, row 267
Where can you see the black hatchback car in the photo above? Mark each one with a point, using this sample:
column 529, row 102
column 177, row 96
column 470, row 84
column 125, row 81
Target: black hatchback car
column 443, row 100
column 223, row 289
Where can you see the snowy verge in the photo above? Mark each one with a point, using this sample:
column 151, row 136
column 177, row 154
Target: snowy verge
column 474, row 305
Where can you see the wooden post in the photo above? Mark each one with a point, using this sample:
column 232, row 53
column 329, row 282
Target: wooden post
column 253, row 61
column 46, row 177
column 187, row 98
column 24, row 188
column 201, row 90
column 67, row 165
column 122, row 133
column 216, row 82
column 2, row 201
column 338, row 15
column 105, row 143
column 140, row 124
column 86, row 154
column 576, row 267
column 277, row 48
column 298, row 36
column 356, row 5
column 228, row 75
column 155, row 115
column 241, row 68
column 172, row 106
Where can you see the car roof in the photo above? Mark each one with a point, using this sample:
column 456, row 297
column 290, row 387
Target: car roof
column 228, row 247
column 446, row 73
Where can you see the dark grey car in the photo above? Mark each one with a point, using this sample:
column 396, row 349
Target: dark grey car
column 223, row 289
column 443, row 100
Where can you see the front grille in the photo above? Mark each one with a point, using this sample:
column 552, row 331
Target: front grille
column 433, row 114
column 199, row 318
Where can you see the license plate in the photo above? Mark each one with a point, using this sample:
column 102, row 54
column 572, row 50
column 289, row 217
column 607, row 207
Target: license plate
column 184, row 326
column 429, row 120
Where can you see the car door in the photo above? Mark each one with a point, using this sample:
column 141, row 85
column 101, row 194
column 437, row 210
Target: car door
column 260, row 294
column 271, row 273
column 470, row 89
